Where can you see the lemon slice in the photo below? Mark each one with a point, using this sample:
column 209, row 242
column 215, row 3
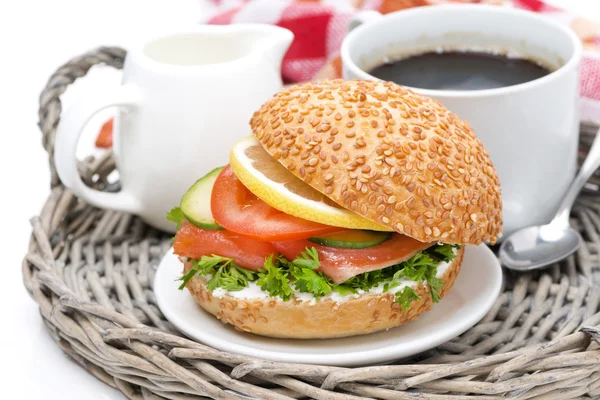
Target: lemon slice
column 274, row 184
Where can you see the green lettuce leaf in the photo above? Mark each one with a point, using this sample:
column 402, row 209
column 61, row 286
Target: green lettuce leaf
column 175, row 215
column 231, row 276
column 435, row 287
column 307, row 259
column 405, row 297
column 225, row 273
column 275, row 280
column 344, row 290
column 367, row 280
column 280, row 277
column 444, row 252
column 310, row 281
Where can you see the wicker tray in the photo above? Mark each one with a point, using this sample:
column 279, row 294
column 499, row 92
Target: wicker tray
column 91, row 272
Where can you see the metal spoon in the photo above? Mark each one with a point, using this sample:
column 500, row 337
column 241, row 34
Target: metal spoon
column 538, row 246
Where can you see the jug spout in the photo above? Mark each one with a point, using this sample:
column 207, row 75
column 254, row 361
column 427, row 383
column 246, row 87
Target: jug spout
column 279, row 44
column 269, row 41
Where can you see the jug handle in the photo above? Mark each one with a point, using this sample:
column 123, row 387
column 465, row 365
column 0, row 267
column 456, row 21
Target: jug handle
column 68, row 132
column 360, row 18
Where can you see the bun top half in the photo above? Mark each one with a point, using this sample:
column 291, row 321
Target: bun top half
column 388, row 154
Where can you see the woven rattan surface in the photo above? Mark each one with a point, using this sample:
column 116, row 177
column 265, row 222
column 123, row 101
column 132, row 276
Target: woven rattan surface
column 91, row 272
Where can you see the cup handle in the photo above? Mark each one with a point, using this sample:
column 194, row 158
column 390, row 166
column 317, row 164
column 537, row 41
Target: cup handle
column 360, row 18
column 68, row 131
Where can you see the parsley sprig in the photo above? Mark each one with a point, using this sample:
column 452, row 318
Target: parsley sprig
column 175, row 215
column 405, row 297
column 279, row 276
column 307, row 259
column 225, row 273
column 275, row 280
column 421, row 267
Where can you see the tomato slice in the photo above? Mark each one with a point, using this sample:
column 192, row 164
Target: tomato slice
column 191, row 241
column 237, row 209
column 342, row 264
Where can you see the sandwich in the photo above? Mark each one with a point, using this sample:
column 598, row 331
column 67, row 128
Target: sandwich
column 346, row 212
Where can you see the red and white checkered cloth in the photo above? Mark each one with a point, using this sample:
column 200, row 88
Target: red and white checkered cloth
column 319, row 27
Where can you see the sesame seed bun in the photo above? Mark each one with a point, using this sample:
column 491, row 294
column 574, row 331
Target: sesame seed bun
column 388, row 154
column 299, row 319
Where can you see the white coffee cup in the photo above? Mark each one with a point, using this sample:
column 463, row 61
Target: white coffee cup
column 530, row 129
column 186, row 99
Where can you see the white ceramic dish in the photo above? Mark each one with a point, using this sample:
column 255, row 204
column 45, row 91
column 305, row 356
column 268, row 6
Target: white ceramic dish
column 473, row 294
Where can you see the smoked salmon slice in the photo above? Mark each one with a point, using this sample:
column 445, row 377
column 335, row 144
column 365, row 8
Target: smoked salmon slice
column 343, row 264
column 338, row 264
column 193, row 242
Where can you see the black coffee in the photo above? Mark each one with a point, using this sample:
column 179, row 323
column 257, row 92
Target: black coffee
column 458, row 70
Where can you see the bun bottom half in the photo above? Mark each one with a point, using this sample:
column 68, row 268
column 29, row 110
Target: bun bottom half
column 299, row 319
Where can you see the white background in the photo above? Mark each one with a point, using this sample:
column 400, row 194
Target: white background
column 35, row 38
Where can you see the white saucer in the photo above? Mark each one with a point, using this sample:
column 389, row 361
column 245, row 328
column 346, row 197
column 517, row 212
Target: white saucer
column 473, row 294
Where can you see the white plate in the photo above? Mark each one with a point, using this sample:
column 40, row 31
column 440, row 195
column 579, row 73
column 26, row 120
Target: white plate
column 473, row 294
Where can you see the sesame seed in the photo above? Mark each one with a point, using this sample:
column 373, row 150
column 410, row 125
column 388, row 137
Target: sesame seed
column 324, row 127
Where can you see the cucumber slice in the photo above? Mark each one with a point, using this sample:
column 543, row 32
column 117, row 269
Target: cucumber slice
column 195, row 204
column 352, row 239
